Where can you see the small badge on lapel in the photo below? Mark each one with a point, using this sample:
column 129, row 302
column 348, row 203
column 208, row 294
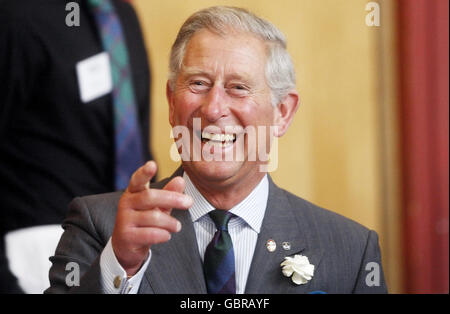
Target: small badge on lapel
column 286, row 246
column 271, row 245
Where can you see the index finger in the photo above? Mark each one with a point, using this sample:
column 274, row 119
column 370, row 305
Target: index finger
column 140, row 180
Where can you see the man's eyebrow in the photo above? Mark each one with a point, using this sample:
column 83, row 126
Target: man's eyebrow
column 240, row 77
column 192, row 71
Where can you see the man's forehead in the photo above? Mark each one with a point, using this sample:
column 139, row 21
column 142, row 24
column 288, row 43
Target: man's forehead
column 209, row 53
column 233, row 40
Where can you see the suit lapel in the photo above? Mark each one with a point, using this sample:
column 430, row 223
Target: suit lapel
column 281, row 225
column 175, row 266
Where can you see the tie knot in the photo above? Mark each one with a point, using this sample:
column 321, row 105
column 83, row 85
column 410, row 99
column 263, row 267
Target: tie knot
column 220, row 218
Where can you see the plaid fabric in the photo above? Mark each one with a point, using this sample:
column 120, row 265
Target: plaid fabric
column 128, row 142
column 219, row 257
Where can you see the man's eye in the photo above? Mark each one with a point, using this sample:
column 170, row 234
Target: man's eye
column 198, row 86
column 238, row 90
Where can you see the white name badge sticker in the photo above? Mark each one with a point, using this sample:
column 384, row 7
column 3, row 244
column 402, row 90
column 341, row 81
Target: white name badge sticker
column 94, row 77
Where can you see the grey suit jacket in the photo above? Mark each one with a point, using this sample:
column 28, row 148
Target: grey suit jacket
column 340, row 250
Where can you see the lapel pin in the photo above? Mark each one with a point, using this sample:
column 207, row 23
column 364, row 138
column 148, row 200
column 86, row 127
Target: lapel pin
column 286, row 246
column 271, row 245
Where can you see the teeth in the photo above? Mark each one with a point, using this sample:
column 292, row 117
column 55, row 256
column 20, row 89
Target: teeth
column 218, row 137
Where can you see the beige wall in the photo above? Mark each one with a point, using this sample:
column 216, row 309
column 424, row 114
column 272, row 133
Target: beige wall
column 331, row 155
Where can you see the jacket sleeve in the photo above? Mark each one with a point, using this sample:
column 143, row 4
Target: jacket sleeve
column 76, row 263
column 371, row 276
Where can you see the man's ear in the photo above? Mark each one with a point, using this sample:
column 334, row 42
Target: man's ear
column 284, row 113
column 169, row 96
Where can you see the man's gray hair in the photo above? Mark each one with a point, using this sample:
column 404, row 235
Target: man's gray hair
column 280, row 73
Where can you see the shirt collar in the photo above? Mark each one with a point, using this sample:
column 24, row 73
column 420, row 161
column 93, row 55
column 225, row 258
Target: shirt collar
column 251, row 209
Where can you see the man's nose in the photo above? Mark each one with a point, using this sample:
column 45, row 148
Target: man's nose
column 215, row 106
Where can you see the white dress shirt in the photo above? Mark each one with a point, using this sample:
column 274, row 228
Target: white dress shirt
column 243, row 228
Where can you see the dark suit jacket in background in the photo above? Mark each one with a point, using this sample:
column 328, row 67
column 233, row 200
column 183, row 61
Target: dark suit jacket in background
column 338, row 248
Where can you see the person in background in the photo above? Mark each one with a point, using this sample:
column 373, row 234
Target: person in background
column 74, row 108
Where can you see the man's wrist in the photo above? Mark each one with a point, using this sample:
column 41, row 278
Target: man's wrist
column 115, row 279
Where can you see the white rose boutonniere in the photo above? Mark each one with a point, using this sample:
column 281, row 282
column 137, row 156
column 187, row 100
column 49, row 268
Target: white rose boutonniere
column 299, row 268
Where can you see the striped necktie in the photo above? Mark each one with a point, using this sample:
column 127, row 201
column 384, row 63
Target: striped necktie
column 128, row 142
column 219, row 257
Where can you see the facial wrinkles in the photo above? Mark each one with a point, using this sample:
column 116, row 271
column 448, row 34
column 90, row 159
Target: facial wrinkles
column 237, row 112
column 238, row 86
column 225, row 65
column 224, row 58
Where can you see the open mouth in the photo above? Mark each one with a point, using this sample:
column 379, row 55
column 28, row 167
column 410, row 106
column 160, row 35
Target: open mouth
column 218, row 138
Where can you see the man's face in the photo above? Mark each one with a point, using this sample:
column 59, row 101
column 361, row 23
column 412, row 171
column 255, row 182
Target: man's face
column 222, row 84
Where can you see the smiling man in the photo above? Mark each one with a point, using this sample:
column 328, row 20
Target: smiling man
column 220, row 224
